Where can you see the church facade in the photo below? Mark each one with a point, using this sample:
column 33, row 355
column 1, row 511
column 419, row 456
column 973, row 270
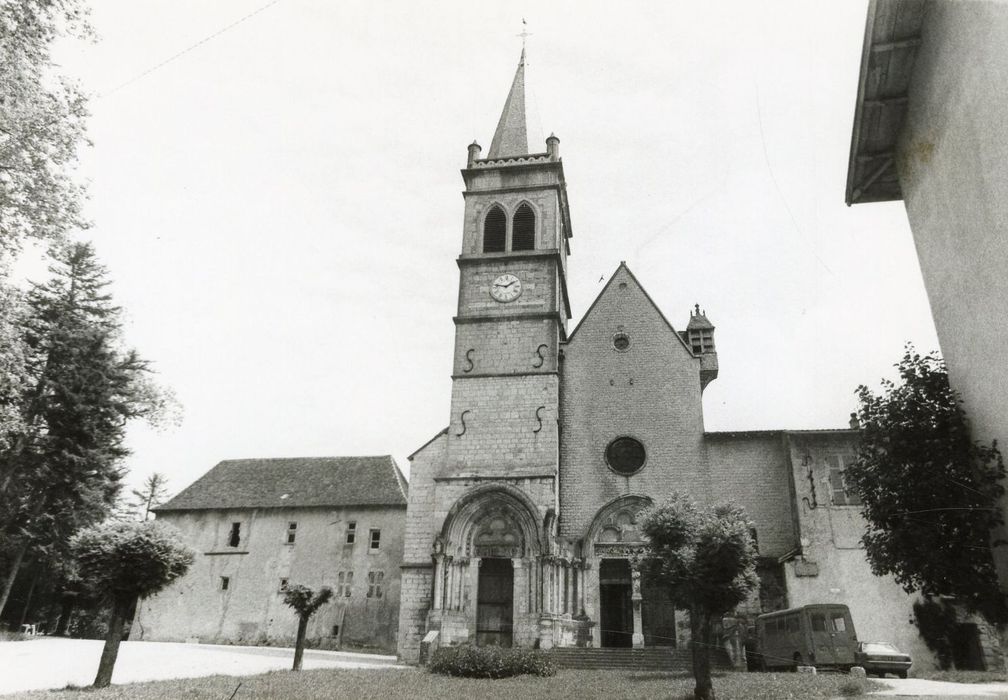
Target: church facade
column 521, row 524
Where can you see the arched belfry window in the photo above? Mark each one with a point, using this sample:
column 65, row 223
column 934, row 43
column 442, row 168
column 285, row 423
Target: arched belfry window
column 523, row 237
column 495, row 231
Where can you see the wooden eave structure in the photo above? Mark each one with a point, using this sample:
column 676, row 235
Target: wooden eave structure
column 892, row 35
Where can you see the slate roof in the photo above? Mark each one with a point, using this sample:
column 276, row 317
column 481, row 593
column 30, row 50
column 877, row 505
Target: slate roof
column 295, row 482
column 511, row 137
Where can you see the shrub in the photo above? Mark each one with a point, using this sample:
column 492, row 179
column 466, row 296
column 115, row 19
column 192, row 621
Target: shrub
column 490, row 662
column 851, row 688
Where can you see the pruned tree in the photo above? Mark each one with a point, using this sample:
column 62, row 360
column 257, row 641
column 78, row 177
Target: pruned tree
column 305, row 602
column 62, row 469
column 707, row 559
column 929, row 492
column 42, row 124
column 153, row 493
column 123, row 561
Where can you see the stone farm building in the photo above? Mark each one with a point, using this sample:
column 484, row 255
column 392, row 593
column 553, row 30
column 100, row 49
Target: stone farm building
column 259, row 524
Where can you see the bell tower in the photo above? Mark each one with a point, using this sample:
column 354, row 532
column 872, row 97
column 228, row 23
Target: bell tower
column 512, row 304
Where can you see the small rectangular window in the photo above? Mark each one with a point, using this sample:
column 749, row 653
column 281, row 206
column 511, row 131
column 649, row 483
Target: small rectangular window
column 375, row 579
column 335, row 630
column 349, row 584
column 291, row 532
column 351, row 532
column 234, row 537
column 283, row 585
column 375, row 539
column 225, row 582
column 842, row 494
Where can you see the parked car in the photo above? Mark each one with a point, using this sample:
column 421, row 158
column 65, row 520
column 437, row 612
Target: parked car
column 882, row 658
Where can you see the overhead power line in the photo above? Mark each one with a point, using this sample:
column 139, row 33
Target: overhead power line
column 186, row 50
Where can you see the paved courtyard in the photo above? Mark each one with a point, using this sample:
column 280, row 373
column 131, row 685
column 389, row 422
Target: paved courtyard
column 921, row 688
column 54, row 662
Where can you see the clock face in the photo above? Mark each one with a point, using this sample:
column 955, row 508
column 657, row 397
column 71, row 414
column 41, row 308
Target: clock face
column 506, row 288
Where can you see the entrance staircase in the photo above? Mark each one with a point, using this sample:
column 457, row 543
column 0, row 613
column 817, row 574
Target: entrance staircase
column 645, row 659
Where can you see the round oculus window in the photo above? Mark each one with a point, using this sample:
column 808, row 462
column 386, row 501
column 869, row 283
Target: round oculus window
column 621, row 341
column 625, row 455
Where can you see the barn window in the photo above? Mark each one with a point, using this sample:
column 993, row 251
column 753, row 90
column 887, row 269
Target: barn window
column 234, row 537
column 843, row 495
column 375, row 583
column 495, row 231
column 625, row 455
column 523, row 237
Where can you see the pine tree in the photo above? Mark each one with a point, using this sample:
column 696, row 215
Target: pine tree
column 63, row 471
column 153, row 493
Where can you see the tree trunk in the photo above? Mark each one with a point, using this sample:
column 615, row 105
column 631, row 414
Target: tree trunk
column 112, row 639
column 67, row 605
column 28, row 598
column 299, row 645
column 700, row 628
column 12, row 574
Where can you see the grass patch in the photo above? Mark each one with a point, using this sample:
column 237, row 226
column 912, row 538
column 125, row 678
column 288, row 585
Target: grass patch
column 964, row 676
column 419, row 685
column 6, row 636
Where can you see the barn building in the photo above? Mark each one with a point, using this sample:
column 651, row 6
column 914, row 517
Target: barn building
column 259, row 525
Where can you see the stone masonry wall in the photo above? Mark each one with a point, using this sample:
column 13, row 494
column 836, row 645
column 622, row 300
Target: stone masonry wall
column 753, row 470
column 650, row 392
column 502, row 434
column 252, row 610
column 834, row 568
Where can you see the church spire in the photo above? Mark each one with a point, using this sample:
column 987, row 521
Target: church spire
column 511, row 137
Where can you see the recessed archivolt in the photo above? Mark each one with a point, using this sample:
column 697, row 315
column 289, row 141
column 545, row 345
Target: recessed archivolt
column 617, row 522
column 495, row 520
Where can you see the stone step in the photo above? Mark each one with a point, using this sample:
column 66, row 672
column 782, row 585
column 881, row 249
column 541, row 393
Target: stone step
column 646, row 659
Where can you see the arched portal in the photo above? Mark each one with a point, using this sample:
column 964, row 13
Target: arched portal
column 485, row 581
column 632, row 609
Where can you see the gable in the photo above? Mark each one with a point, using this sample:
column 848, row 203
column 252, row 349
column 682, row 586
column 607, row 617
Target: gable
column 624, row 295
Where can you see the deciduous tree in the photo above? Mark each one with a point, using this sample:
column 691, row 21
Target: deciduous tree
column 305, row 602
column 707, row 559
column 42, row 124
column 929, row 491
column 123, row 561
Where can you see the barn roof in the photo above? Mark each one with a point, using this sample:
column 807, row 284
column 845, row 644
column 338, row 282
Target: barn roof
column 892, row 35
column 295, row 482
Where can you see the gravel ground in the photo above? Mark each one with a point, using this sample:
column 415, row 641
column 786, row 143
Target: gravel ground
column 921, row 688
column 54, row 662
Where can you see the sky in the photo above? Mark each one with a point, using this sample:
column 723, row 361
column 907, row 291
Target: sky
column 280, row 206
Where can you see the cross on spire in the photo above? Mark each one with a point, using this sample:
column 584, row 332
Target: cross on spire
column 525, row 34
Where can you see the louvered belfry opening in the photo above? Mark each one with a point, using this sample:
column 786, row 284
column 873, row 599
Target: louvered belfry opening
column 524, row 229
column 495, row 231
